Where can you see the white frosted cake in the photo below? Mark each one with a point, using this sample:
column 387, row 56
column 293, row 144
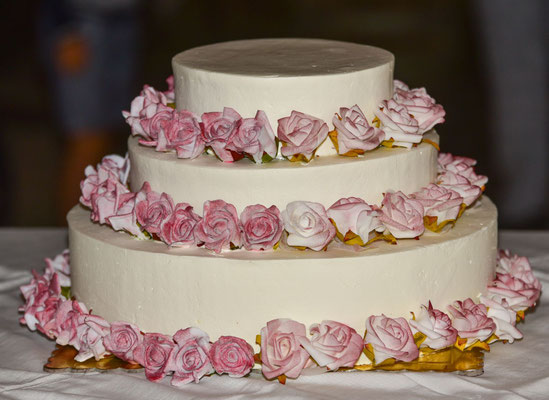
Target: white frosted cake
column 235, row 292
column 283, row 204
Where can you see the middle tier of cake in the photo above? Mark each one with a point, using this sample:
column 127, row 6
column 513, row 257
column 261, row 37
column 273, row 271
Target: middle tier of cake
column 324, row 180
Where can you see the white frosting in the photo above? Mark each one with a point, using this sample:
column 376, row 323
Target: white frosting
column 236, row 293
column 324, row 180
column 312, row 76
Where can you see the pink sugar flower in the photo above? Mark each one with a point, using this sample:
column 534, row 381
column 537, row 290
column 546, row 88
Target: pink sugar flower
column 152, row 208
column 190, row 358
column 217, row 130
column 398, row 124
column 153, row 354
column 281, row 348
column 301, row 134
column 354, row 132
column 262, row 227
column 254, row 136
column 436, row 326
column 219, row 227
column 307, row 225
column 233, row 356
column 122, row 339
column 402, row 215
column 334, row 345
column 471, row 320
column 178, row 229
column 390, row 338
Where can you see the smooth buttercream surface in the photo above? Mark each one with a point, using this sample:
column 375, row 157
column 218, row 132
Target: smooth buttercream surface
column 324, row 180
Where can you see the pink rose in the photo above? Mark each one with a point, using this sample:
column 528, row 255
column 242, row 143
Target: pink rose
column 402, row 215
column 469, row 193
column 353, row 131
column 354, row 215
column 46, row 316
column 463, row 168
column 421, row 106
column 122, row 340
column 471, row 320
column 439, row 201
column 504, row 317
column 281, row 349
column 233, row 356
column 94, row 181
column 254, row 136
column 262, row 227
column 398, row 124
column 190, row 359
column 182, row 133
column 36, row 295
column 219, row 226
column 400, row 85
column 390, row 338
column 517, row 267
column 120, row 166
column 436, row 326
column 60, row 266
column 153, row 354
column 518, row 293
column 66, row 322
column 301, row 134
column 446, row 158
column 154, row 122
column 143, row 106
column 178, row 229
column 107, row 200
column 152, row 208
column 218, row 128
column 125, row 217
column 90, row 332
column 307, row 225
column 334, row 345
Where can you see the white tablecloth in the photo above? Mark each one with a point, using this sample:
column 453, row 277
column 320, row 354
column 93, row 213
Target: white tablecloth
column 512, row 371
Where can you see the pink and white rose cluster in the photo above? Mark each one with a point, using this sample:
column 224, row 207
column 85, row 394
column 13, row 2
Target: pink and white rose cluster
column 515, row 282
column 286, row 349
column 356, row 216
column 398, row 124
column 153, row 118
column 420, row 105
column 457, row 173
column 439, row 201
column 301, row 134
column 354, row 134
column 504, row 317
column 471, row 321
column 408, row 115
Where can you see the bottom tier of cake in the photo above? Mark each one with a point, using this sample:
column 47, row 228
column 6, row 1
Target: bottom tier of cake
column 163, row 289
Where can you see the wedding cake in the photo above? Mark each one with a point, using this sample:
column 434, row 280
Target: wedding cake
column 281, row 184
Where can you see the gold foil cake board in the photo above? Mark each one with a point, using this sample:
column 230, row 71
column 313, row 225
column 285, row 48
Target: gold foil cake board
column 469, row 362
column 62, row 359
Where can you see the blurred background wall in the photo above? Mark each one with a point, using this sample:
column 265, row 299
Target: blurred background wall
column 484, row 61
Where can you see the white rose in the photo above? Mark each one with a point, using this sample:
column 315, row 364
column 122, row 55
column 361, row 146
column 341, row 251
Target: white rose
column 307, row 225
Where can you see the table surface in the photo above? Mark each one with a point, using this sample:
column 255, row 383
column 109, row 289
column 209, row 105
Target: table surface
column 512, row 371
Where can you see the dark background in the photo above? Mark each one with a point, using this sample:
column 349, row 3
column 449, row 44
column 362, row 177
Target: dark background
column 437, row 44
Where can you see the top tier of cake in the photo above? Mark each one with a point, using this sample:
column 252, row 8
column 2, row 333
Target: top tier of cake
column 312, row 76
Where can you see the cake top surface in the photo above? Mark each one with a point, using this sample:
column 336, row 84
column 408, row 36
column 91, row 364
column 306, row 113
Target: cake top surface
column 284, row 57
